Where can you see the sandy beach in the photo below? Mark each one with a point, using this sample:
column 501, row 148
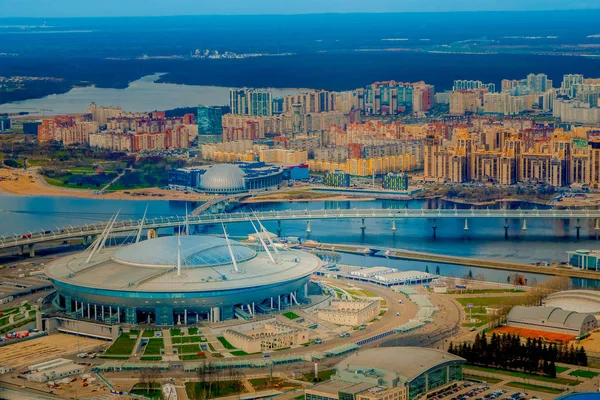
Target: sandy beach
column 30, row 183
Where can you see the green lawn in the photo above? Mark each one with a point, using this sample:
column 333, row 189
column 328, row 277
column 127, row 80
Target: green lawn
column 563, row 381
column 211, row 347
column 154, row 346
column 176, row 332
column 483, row 319
column 188, row 348
column 148, row 333
column 560, row 370
column 537, row 388
column 186, row 357
column 195, row 390
column 225, row 343
column 123, row 346
column 482, row 378
column 291, row 315
column 151, row 358
column 238, row 353
column 155, row 392
column 193, row 331
column 584, row 374
column 324, row 375
column 481, row 301
column 187, row 339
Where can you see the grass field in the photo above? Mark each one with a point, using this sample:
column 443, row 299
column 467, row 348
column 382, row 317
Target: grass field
column 151, row 358
column 195, row 390
column 123, row 346
column 225, row 343
column 193, row 331
column 187, row 339
column 188, row 348
column 537, row 388
column 238, row 353
column 291, row 315
column 560, row 370
column 141, row 389
column 154, row 346
column 176, row 332
column 187, row 357
column 148, row 333
column 482, row 378
column 563, row 381
column 580, row 373
column 323, row 375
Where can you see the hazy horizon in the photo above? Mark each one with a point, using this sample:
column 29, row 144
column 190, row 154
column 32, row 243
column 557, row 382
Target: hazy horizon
column 158, row 8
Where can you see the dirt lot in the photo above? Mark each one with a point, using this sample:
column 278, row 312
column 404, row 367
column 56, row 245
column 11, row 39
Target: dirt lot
column 38, row 350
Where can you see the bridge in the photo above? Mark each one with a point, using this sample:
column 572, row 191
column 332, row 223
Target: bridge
column 89, row 232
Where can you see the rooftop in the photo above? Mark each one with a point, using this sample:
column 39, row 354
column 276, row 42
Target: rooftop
column 414, row 360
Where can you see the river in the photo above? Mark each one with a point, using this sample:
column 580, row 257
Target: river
column 141, row 95
column 542, row 241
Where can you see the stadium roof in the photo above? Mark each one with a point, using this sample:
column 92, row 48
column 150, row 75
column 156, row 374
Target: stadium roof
column 150, row 266
column 195, row 251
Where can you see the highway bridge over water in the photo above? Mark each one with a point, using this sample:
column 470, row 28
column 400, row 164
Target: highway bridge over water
column 27, row 241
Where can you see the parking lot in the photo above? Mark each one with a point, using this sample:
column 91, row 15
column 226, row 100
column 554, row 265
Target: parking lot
column 481, row 391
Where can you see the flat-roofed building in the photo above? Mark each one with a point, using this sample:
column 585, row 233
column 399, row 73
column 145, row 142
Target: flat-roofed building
column 406, row 278
column 373, row 271
column 349, row 312
column 273, row 335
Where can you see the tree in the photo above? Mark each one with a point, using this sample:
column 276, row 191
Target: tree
column 149, row 377
column 470, row 274
column 427, row 268
column 437, row 269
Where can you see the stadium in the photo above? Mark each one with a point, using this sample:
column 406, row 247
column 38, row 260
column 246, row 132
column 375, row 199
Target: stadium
column 180, row 280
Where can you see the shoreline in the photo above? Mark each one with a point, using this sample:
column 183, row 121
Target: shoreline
column 30, row 184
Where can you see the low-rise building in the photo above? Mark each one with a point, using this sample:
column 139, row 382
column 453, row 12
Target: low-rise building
column 391, row 373
column 551, row 319
column 349, row 312
column 373, row 271
column 55, row 373
column 273, row 336
column 406, row 278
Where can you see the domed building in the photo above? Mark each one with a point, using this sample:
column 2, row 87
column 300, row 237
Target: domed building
column 231, row 178
column 223, row 178
column 180, row 280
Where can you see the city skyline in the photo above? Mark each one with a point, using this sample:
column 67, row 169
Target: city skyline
column 113, row 8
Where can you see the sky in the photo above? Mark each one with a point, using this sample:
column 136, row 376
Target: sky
column 102, row 8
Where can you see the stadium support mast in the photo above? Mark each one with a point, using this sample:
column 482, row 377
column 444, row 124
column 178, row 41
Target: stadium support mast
column 139, row 234
column 179, row 254
column 262, row 242
column 235, row 266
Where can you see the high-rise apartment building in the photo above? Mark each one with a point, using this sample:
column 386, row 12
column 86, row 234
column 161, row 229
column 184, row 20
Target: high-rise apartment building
column 209, row 120
column 463, row 84
column 253, row 102
column 538, row 83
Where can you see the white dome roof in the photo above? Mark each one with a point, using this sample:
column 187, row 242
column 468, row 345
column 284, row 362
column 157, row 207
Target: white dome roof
column 223, row 178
